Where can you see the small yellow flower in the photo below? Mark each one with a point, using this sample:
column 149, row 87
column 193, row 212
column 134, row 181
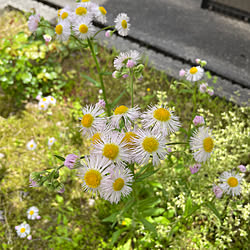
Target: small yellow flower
column 148, row 89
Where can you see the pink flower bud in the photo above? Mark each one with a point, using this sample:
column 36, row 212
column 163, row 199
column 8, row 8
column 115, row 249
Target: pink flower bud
column 108, row 33
column 114, row 74
column 70, row 161
column 38, row 217
column 198, row 120
column 33, row 22
column 217, row 191
column 125, row 76
column 62, row 190
column 102, row 103
column 130, row 64
column 195, row 168
column 182, row 73
column 203, row 87
column 242, row 168
column 210, row 92
column 29, row 237
column 197, row 60
column 169, row 150
column 16, row 227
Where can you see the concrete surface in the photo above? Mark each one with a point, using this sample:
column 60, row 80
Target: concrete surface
column 172, row 33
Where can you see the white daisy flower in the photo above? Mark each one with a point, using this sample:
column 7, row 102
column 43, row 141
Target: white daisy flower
column 83, row 28
column 128, row 138
column 122, row 24
column 147, row 144
column 123, row 112
column 124, row 57
column 202, row 143
column 113, row 148
column 31, row 145
column 51, row 100
column 91, row 122
column 64, row 15
column 103, row 130
column 23, row 230
column 194, row 74
column 83, row 10
column 93, row 172
column 161, row 120
column 62, row 31
column 51, row 141
column 99, row 13
column 33, row 22
column 118, row 184
column 32, row 213
column 42, row 105
column 231, row 183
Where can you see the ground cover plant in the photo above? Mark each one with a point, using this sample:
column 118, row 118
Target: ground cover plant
column 169, row 208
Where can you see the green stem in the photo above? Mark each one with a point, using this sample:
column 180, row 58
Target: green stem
column 194, row 103
column 100, row 76
column 105, row 28
column 175, row 143
column 132, row 87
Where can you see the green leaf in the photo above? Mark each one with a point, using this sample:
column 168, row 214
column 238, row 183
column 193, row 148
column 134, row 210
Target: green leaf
column 106, row 73
column 153, row 212
column 60, row 157
column 188, row 206
column 127, row 206
column 146, row 174
column 118, row 99
column 212, row 207
column 143, row 168
column 149, row 226
column 116, row 235
column 147, row 203
column 97, row 84
column 59, row 198
column 111, row 218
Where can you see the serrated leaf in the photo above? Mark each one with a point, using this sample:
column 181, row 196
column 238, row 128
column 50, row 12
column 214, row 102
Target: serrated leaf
column 60, row 157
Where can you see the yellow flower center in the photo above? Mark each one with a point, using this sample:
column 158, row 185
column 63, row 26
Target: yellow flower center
column 59, row 30
column 95, row 138
column 52, row 99
column 110, row 151
column 83, row 28
column 121, row 110
column 232, row 182
column 162, row 114
column 59, row 12
column 87, row 120
column 124, row 24
column 128, row 138
column 102, row 10
column 84, row 1
column 150, row 144
column 148, row 89
column 44, row 99
column 31, row 212
column 208, row 144
column 42, row 105
column 22, row 230
column 64, row 15
column 31, row 145
column 193, row 70
column 81, row 11
column 118, row 184
column 93, row 178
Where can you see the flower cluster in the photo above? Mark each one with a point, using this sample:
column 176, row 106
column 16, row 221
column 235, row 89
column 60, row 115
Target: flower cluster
column 23, row 229
column 79, row 20
column 44, row 102
column 126, row 62
column 117, row 143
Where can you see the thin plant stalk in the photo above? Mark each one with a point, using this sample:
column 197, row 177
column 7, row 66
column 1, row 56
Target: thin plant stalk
column 132, row 87
column 100, row 76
